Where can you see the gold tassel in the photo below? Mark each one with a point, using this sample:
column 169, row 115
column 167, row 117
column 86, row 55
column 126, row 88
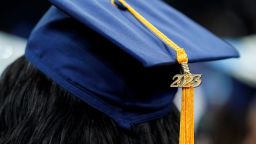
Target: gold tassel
column 187, row 116
column 186, row 80
column 187, row 102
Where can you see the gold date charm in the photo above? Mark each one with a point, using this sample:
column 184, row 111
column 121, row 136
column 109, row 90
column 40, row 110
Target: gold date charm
column 186, row 79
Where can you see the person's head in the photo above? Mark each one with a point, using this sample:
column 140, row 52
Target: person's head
column 100, row 73
column 33, row 109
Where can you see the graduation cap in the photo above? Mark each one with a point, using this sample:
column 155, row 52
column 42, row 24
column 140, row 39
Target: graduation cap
column 119, row 56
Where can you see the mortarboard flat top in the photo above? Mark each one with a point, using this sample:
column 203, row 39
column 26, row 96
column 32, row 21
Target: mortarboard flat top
column 120, row 27
column 106, row 58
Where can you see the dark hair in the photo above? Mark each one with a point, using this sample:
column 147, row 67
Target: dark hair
column 35, row 110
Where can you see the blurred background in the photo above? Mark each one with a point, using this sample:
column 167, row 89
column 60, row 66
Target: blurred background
column 225, row 105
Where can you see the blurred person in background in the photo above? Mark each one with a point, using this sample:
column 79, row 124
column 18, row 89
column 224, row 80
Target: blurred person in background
column 250, row 136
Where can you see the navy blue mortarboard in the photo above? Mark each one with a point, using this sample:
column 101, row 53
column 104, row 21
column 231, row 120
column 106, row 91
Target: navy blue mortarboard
column 103, row 55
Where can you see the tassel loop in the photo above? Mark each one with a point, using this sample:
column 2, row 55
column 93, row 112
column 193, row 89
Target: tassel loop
column 182, row 57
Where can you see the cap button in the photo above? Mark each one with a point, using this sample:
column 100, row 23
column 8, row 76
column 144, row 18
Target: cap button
column 119, row 4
